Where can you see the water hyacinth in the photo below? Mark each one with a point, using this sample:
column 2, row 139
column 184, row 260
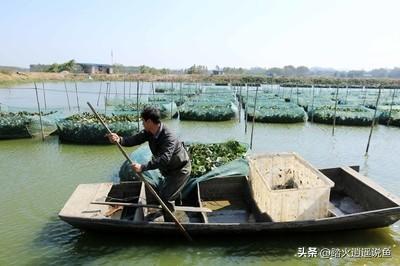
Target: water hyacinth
column 206, row 157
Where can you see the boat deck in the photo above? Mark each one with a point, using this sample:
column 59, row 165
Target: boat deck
column 225, row 204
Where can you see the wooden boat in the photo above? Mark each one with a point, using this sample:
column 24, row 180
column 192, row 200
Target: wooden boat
column 225, row 205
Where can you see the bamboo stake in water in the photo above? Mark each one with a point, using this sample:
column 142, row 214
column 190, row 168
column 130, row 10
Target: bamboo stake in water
column 373, row 120
column 334, row 112
column 44, row 97
column 137, row 104
column 365, row 95
column 254, row 120
column 291, row 93
column 391, row 106
column 312, row 104
column 98, row 98
column 77, row 97
column 277, row 91
column 172, row 101
column 130, row 86
column 66, row 92
column 124, row 90
column 40, row 113
column 246, row 109
column 240, row 102
column 108, row 88
column 180, row 92
column 147, row 185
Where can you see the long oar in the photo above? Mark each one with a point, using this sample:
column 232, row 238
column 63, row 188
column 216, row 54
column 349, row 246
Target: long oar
column 150, row 188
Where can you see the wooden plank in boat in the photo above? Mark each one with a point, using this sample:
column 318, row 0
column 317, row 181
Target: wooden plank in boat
column 371, row 184
column 78, row 205
column 177, row 208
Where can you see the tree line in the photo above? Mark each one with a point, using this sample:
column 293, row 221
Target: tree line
column 286, row 71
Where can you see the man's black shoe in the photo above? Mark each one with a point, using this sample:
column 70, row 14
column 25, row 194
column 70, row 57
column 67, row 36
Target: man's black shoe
column 153, row 215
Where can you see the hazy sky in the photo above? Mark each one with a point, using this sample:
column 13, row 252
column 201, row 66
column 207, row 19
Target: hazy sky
column 348, row 34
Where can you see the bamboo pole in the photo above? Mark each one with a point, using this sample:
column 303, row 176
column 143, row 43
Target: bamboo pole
column 391, row 106
column 334, row 112
column 312, row 104
column 44, row 97
column 66, row 92
column 40, row 113
column 137, row 105
column 291, row 93
column 77, row 97
column 254, row 119
column 106, row 97
column 347, row 93
column 365, row 95
column 130, row 86
column 373, row 121
column 141, row 89
column 240, row 102
column 172, row 101
column 180, row 92
column 245, row 109
column 98, row 98
column 148, row 186
column 124, row 90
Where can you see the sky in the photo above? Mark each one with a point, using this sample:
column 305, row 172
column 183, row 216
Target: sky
column 340, row 34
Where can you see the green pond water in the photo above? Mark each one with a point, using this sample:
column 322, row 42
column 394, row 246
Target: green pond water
column 38, row 177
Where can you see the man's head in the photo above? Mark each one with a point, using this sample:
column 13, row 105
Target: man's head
column 151, row 119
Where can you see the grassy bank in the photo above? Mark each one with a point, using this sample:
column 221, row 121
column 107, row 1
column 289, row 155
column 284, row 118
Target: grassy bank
column 8, row 78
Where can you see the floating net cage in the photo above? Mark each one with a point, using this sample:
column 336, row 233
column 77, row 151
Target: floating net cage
column 167, row 109
column 278, row 112
column 86, row 129
column 344, row 115
column 14, row 125
column 24, row 122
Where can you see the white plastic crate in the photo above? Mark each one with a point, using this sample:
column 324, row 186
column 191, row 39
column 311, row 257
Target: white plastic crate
column 309, row 200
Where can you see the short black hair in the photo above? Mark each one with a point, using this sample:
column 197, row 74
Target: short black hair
column 152, row 113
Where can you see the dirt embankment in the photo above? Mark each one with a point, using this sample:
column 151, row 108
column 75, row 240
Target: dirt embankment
column 11, row 77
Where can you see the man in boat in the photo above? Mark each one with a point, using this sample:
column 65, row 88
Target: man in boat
column 169, row 155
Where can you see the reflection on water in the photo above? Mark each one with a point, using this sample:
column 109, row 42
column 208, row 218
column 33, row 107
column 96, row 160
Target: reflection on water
column 69, row 245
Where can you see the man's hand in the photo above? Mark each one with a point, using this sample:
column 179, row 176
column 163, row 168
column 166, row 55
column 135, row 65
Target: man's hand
column 137, row 167
column 113, row 138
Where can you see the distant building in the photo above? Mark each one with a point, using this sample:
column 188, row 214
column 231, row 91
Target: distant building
column 217, row 72
column 95, row 68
